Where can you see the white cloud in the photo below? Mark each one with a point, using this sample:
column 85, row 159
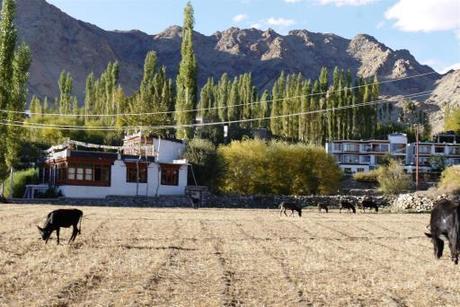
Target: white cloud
column 293, row 1
column 240, row 17
column 346, row 2
column 426, row 15
column 284, row 22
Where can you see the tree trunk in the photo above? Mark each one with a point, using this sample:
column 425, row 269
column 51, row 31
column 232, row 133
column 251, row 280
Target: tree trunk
column 11, row 183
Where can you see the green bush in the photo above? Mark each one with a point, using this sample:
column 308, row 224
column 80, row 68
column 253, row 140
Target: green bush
column 450, row 179
column 20, row 180
column 370, row 176
column 202, row 155
column 392, row 179
column 256, row 167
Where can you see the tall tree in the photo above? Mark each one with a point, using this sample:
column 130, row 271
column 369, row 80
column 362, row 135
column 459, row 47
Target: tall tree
column 65, row 92
column 21, row 65
column 187, row 78
column 8, row 36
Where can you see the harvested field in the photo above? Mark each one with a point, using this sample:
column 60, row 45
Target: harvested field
column 211, row 257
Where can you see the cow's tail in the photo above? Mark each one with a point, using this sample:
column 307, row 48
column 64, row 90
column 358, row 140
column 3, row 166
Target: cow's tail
column 79, row 228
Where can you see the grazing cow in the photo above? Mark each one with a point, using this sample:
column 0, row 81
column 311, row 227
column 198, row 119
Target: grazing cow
column 290, row 206
column 369, row 203
column 323, row 206
column 61, row 218
column 345, row 204
column 445, row 221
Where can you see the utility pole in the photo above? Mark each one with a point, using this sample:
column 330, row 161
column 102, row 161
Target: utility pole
column 416, row 156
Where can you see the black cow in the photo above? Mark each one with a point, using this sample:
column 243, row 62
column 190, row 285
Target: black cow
column 61, row 218
column 369, row 203
column 323, row 206
column 290, row 206
column 345, row 204
column 445, row 221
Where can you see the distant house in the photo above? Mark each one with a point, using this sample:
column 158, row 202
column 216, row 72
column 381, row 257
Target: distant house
column 144, row 166
column 363, row 155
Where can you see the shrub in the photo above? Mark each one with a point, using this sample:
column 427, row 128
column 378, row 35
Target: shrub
column 450, row 179
column 392, row 179
column 20, row 180
column 370, row 176
column 256, row 167
column 202, row 155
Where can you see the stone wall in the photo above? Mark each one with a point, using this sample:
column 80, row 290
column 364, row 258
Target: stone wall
column 417, row 202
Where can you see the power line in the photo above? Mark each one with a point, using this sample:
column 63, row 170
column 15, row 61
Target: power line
column 164, row 127
column 213, row 108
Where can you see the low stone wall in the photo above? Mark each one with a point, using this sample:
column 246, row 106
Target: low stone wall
column 209, row 201
column 416, row 202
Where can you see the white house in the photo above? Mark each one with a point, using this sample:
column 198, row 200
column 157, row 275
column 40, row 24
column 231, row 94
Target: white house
column 144, row 166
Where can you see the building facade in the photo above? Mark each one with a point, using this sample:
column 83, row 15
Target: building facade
column 143, row 166
column 363, row 155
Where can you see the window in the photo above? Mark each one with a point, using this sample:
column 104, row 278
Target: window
column 101, row 173
column 347, row 171
column 170, row 174
column 87, row 174
column 80, row 172
column 439, row 149
column 398, row 148
column 423, row 149
column 364, row 159
column 71, row 173
column 360, row 169
column 350, row 147
column 337, row 147
column 351, row 159
column 131, row 172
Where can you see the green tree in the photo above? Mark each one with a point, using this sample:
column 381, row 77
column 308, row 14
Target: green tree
column 187, row 78
column 8, row 36
column 65, row 92
column 21, row 65
column 392, row 179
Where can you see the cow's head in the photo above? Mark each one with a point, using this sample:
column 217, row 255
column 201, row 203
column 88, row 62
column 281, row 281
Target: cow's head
column 45, row 233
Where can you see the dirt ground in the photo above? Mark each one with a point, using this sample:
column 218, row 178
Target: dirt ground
column 211, row 257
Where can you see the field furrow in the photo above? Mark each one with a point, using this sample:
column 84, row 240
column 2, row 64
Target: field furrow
column 219, row 257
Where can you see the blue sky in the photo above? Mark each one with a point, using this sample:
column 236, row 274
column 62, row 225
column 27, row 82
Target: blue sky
column 429, row 29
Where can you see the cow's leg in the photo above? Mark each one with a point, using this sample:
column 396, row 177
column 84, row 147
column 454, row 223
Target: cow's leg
column 74, row 234
column 285, row 209
column 453, row 245
column 281, row 211
column 327, row 210
column 57, row 235
column 340, row 210
column 438, row 246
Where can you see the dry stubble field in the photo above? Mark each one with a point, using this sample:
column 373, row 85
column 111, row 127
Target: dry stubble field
column 210, row 257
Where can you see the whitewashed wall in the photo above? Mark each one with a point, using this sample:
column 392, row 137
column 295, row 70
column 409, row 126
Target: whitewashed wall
column 168, row 150
column 119, row 186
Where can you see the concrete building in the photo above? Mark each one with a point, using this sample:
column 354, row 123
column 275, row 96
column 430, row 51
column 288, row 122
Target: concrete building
column 144, row 166
column 363, row 155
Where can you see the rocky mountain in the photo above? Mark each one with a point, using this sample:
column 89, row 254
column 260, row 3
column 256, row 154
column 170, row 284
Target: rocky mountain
column 59, row 42
column 445, row 96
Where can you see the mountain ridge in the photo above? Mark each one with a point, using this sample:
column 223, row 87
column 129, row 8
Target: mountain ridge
column 59, row 41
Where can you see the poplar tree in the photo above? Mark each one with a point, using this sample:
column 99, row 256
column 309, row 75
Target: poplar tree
column 65, row 91
column 90, row 94
column 21, row 65
column 8, row 36
column 186, row 79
